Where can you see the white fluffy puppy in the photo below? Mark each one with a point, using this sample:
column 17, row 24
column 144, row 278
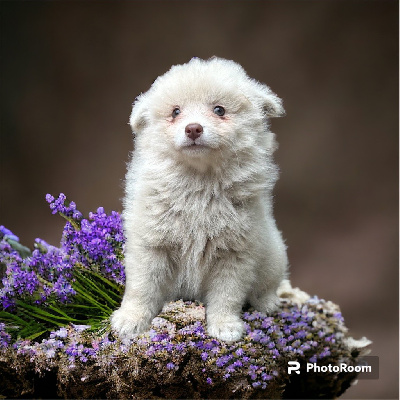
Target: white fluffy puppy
column 198, row 208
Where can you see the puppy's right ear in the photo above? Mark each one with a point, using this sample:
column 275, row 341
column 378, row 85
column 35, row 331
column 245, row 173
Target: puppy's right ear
column 140, row 114
column 270, row 102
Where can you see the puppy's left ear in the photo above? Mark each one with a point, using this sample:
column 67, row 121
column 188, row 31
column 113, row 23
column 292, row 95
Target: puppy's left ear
column 268, row 100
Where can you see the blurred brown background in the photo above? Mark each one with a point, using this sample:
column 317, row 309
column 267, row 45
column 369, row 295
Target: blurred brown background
column 70, row 71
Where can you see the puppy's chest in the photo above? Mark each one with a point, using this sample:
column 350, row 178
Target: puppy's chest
column 195, row 216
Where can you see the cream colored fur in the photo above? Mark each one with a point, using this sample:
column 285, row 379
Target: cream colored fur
column 198, row 219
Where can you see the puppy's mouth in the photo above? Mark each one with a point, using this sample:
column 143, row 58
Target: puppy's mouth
column 195, row 147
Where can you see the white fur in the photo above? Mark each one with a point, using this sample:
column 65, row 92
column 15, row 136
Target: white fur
column 198, row 220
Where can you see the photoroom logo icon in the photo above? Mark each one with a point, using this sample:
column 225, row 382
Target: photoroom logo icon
column 293, row 366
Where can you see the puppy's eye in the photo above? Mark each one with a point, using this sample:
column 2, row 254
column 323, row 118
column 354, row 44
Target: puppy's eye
column 176, row 112
column 220, row 111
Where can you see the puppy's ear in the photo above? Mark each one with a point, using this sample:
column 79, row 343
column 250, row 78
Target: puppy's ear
column 140, row 114
column 269, row 101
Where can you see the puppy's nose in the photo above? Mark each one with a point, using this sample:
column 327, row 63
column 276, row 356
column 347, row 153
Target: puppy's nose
column 193, row 131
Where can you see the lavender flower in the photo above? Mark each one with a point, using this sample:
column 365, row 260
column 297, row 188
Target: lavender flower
column 62, row 206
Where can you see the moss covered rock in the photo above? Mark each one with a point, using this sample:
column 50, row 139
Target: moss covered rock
column 177, row 359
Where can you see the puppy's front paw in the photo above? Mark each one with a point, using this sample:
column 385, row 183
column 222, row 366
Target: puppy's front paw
column 227, row 330
column 127, row 323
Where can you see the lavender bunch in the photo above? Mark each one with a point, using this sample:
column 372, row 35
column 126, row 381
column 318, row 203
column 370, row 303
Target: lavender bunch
column 78, row 282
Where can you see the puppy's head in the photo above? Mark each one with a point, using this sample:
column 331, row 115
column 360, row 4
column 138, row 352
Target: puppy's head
column 203, row 108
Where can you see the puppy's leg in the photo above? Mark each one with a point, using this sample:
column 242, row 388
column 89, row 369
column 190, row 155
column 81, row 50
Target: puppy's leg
column 265, row 301
column 272, row 270
column 147, row 275
column 228, row 286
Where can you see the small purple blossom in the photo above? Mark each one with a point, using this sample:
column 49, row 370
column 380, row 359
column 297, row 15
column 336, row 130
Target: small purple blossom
column 221, row 361
column 313, row 359
column 170, row 365
column 239, row 352
column 325, row 353
column 61, row 333
column 180, row 347
column 5, row 338
column 7, row 234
